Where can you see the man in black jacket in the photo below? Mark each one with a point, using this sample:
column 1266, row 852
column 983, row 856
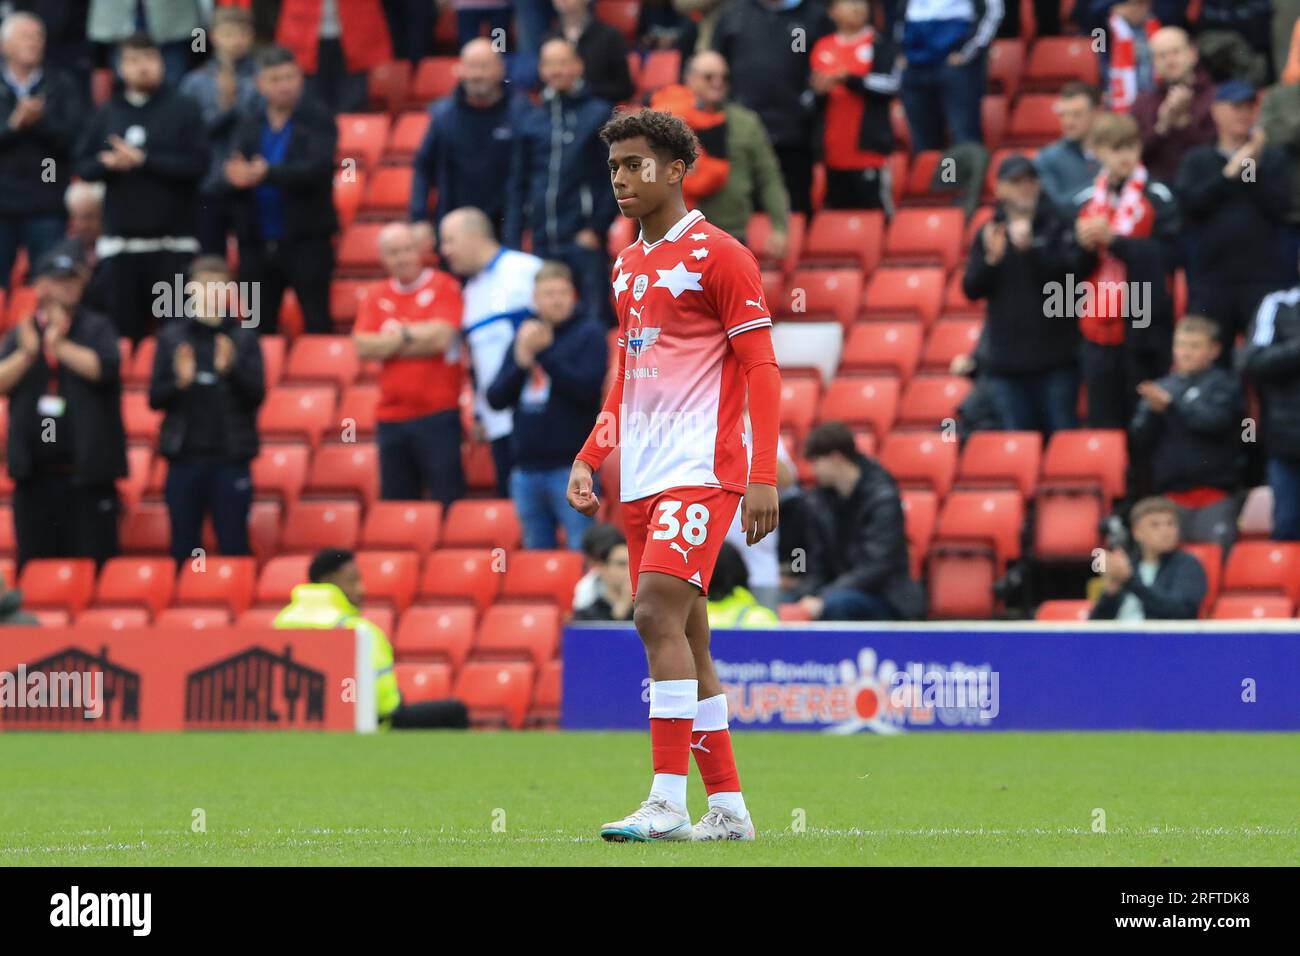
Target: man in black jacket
column 601, row 47
column 1271, row 357
column 207, row 378
column 1190, row 424
column 147, row 144
column 41, row 110
column 1153, row 580
column 857, row 567
column 67, row 447
column 1030, row 349
column 282, row 173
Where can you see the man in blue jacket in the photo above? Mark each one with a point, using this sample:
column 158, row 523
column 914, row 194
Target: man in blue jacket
column 552, row 377
column 558, row 186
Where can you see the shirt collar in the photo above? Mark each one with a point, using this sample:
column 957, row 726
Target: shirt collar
column 24, row 89
column 675, row 232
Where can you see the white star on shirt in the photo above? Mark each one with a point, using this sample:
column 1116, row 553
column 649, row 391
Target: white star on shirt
column 678, row 279
column 620, row 284
column 699, row 253
column 618, row 263
column 698, row 236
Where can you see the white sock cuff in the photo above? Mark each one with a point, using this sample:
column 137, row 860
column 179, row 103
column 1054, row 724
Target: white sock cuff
column 674, row 698
column 712, row 713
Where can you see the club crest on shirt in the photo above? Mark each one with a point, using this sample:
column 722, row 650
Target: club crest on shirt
column 638, row 340
column 639, row 287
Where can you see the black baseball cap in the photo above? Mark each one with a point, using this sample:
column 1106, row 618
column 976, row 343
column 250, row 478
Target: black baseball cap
column 65, row 258
column 1015, row 166
column 1234, row 91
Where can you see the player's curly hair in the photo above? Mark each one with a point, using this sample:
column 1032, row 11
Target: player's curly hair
column 667, row 134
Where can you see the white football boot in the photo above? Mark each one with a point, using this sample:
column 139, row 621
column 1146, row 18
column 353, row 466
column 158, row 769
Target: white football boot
column 656, row 820
column 721, row 824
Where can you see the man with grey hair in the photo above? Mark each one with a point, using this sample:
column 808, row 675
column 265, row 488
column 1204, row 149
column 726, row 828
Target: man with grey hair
column 40, row 109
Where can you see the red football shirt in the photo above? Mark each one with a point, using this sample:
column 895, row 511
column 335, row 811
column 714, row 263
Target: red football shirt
column 414, row 387
column 844, row 109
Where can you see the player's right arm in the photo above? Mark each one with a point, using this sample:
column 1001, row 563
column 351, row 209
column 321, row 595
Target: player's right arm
column 601, row 441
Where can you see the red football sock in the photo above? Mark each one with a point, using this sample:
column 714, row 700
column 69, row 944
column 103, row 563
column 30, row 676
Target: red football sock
column 712, row 750
column 670, row 743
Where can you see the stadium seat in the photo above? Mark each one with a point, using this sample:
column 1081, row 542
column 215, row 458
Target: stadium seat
column 622, row 15
column 22, row 303
column 478, row 466
column 8, row 539
column 792, row 613
column 142, row 423
column 859, row 400
column 317, row 359
column 977, row 534
column 273, row 351
column 58, row 583
column 816, row 295
column 358, row 251
column 488, row 523
column 401, row 525
column 904, row 293
column 342, row 470
column 280, row 471
column 297, row 413
column 312, row 525
column 1211, row 558
column 147, row 529
column 139, row 464
column 224, row 582
column 1063, row 611
column 930, row 401
column 920, row 512
column 407, row 135
column 136, row 582
column 349, row 190
column 545, row 708
column 1001, row 459
column 1006, row 63
column 388, row 193
column 1067, row 524
column 756, row 237
column 519, row 630
column 388, row 85
column 920, row 460
column 422, row 682
column 436, row 632
column 137, row 368
column 358, row 407
column 7, row 572
column 51, row 616
column 1256, row 519
column 113, row 618
column 193, row 618
column 390, row 577
column 257, row 617
column 1235, row 607
column 883, row 347
column 808, row 345
column 435, row 77
column 552, row 575
column 1092, row 458
column 1263, row 566
column 1033, row 122
column 279, row 577
column 361, row 138
column 799, row 398
column 661, row 68
column 452, row 575
column 977, row 221
column 839, row 237
column 496, row 692
column 993, row 119
column 263, row 529
column 949, row 338
column 345, row 294
column 1055, row 61
column 925, row 237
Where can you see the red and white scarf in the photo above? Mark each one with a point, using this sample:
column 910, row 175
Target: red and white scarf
column 1123, row 60
column 1129, row 214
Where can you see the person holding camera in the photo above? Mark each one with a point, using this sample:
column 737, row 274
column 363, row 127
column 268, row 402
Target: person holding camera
column 1149, row 578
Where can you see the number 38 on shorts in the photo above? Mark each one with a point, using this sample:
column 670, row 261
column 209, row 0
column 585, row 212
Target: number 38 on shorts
column 679, row 532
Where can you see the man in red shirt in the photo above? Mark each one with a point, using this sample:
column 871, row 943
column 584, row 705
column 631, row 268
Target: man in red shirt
column 411, row 322
column 694, row 339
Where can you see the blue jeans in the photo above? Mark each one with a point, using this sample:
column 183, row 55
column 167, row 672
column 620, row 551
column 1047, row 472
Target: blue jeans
column 541, row 502
column 848, row 604
column 1284, row 479
column 422, row 453
column 36, row 233
column 937, row 94
column 196, row 488
column 1042, row 402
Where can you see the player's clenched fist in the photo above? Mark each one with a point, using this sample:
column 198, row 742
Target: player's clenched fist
column 759, row 512
column 581, row 498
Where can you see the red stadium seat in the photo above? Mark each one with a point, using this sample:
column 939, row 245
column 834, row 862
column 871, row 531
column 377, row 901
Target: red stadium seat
column 316, row 359
column 358, row 251
column 193, row 618
column 138, row 368
column 361, row 138
column 1236, row 607
column 7, row 573
column 397, row 525
column 390, row 577
column 898, row 125
column 920, row 512
column 345, row 294
column 349, row 190
column 920, row 460
column 925, row 236
column 488, row 523
column 993, row 119
column 1211, row 558
column 225, row 582
column 545, row 709
column 297, row 413
column 883, row 347
column 978, row 533
column 312, row 525
column 388, row 193
column 57, row 583
column 114, row 618
column 452, row 575
column 799, row 399
column 661, row 68
column 51, row 617
column 1033, row 122
column 948, row 339
column 257, row 617
column 388, row 85
column 136, row 582
column 8, row 539
column 1001, row 460
column 147, row 529
column 141, row 422
column 496, row 692
column 756, row 237
column 981, row 216
column 622, row 15
column 930, row 401
column 1006, row 63
column 861, row 401
column 430, row 633
column 273, row 350
column 139, row 465
column 1055, row 61
column 1063, row 611
column 845, row 237
column 519, row 630
column 904, row 293
column 263, row 529
column 279, row 577
column 478, row 466
column 340, row 470
column 435, row 77
column 280, row 471
column 1090, row 458
column 543, row 574
column 408, row 132
column 1067, row 524
column 422, row 682
column 358, row 407
column 1269, row 566
column 818, row 295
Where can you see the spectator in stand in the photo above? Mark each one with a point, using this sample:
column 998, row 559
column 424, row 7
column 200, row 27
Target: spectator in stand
column 333, row 599
column 1130, row 224
column 1174, row 116
column 945, row 48
column 699, row 20
column 498, row 297
column 660, row 26
column 11, row 608
column 1129, row 64
column 169, row 24
column 770, row 75
column 552, row 378
column 762, row 560
column 857, row 567
column 1189, row 423
column 281, row 171
column 43, row 111
column 1271, row 359
column 60, row 369
column 411, row 323
column 730, row 603
column 1066, row 168
column 1233, row 195
column 336, row 43
column 734, row 144
column 854, row 69
column 1279, row 117
column 465, row 154
column 84, row 203
column 223, row 88
column 612, row 598
column 208, row 382
column 1031, row 356
column 147, row 145
column 596, row 541
column 558, row 186
column 601, row 47
column 67, row 48
column 473, row 17
column 1151, row 579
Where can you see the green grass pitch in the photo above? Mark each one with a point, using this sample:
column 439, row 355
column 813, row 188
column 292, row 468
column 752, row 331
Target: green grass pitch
column 538, row 798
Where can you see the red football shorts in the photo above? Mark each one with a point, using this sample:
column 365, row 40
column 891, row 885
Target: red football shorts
column 679, row 532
